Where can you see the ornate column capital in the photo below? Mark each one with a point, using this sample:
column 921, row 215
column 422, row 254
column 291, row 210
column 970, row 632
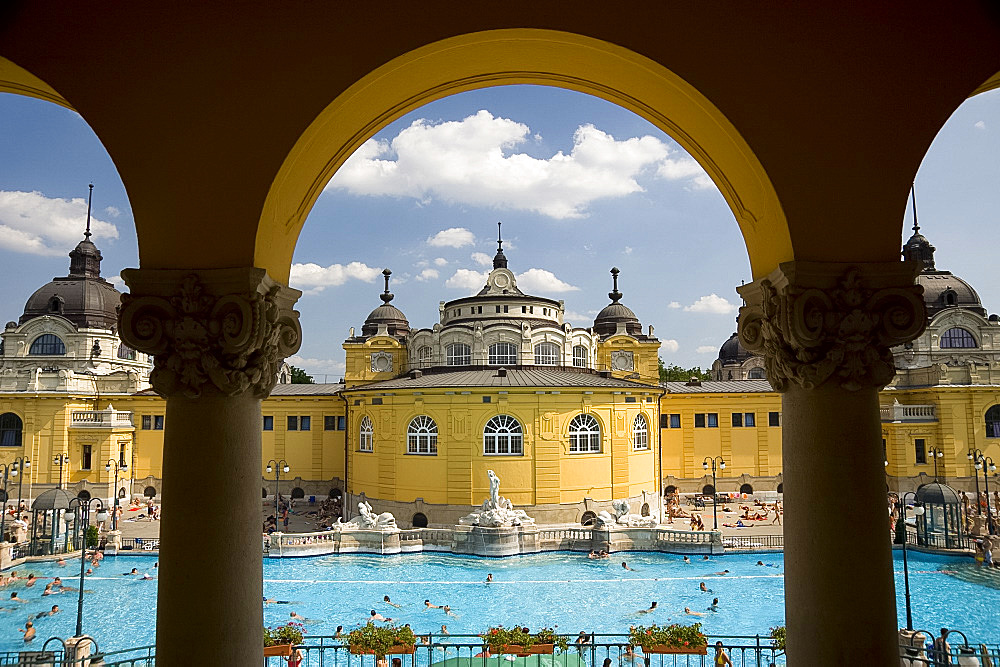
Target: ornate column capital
column 213, row 330
column 818, row 322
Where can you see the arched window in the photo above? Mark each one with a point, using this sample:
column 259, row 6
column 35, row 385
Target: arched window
column 546, row 354
column 150, row 492
column 957, row 337
column 263, row 492
column 47, row 344
column 949, row 297
column 992, row 422
column 584, row 434
column 459, row 354
column 56, row 304
column 669, row 490
column 335, row 493
column 708, row 490
column 781, row 487
column 298, row 492
column 756, row 374
column 422, row 436
column 640, row 433
column 424, row 354
column 503, row 354
column 503, row 435
column 366, row 435
column 125, row 352
column 746, row 488
column 419, row 520
column 10, row 430
column 581, row 356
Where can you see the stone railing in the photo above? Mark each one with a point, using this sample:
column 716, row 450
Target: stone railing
column 898, row 412
column 101, row 419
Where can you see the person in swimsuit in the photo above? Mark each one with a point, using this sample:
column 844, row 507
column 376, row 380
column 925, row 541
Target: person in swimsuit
column 390, row 602
column 721, row 659
column 646, row 611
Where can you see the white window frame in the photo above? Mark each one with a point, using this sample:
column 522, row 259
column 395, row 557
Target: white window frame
column 581, row 356
column 503, row 436
column 640, row 433
column 459, row 358
column 507, row 357
column 425, row 355
column 422, row 436
column 366, row 435
column 547, row 354
column 584, row 435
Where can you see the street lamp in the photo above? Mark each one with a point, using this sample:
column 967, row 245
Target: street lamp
column 719, row 462
column 988, row 466
column 935, row 453
column 974, row 455
column 124, row 468
column 83, row 506
column 60, row 460
column 277, row 467
column 19, row 465
column 918, row 510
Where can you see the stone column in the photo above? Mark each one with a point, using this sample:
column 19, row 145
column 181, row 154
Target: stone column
column 218, row 337
column 825, row 331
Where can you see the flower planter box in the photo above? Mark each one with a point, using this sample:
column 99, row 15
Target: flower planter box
column 283, row 650
column 534, row 649
column 677, row 650
column 393, row 650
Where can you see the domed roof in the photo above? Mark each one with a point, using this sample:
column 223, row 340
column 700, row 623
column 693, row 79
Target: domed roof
column 387, row 314
column 733, row 352
column 82, row 297
column 606, row 322
column 53, row 499
column 943, row 290
column 937, row 494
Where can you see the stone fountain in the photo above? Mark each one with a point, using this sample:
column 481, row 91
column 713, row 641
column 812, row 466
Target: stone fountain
column 497, row 529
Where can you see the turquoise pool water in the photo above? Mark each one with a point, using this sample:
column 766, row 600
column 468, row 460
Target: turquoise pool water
column 562, row 589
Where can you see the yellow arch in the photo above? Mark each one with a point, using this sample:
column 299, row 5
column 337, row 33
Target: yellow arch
column 17, row 80
column 522, row 56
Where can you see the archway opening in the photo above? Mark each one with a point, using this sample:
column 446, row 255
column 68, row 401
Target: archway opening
column 297, row 493
column 335, row 493
column 746, row 489
column 149, row 492
column 588, row 518
column 708, row 490
column 83, row 495
column 419, row 520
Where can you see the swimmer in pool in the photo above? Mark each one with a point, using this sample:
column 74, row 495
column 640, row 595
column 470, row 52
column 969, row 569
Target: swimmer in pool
column 386, row 600
column 646, row 611
column 686, row 559
column 428, row 605
column 722, row 574
column 448, row 611
column 704, row 588
column 687, row 610
column 715, row 605
column 378, row 617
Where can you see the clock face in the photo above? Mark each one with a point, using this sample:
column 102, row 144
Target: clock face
column 621, row 361
column 381, row 362
column 501, row 281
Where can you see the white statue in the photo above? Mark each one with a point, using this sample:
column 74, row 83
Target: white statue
column 623, row 516
column 367, row 519
column 496, row 511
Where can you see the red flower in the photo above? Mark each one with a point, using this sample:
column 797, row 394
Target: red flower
column 685, row 643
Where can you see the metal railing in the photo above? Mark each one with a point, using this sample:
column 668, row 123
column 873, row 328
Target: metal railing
column 140, row 544
column 754, row 542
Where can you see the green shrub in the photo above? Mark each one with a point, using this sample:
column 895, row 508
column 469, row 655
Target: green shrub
column 289, row 633
column 778, row 637
column 91, row 536
column 378, row 640
column 674, row 636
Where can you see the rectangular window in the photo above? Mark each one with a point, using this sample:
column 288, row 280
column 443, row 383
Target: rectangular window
column 524, row 309
column 329, row 423
column 341, row 423
column 505, row 309
column 480, row 310
column 268, row 423
column 487, row 399
column 121, row 455
column 157, row 422
column 376, row 401
column 630, row 399
column 293, row 423
column 713, row 419
column 920, row 451
column 147, row 422
column 675, row 421
column 88, row 454
column 737, row 419
column 699, row 420
column 498, row 309
column 774, row 419
column 749, row 419
column 305, row 422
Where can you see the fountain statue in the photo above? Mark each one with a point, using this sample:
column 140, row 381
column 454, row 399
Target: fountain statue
column 623, row 516
column 367, row 519
column 496, row 511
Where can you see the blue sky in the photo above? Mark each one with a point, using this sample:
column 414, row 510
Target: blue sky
column 580, row 184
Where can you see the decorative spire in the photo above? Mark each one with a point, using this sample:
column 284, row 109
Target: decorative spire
column 615, row 295
column 499, row 260
column 85, row 259
column 918, row 248
column 913, row 197
column 90, row 198
column 386, row 296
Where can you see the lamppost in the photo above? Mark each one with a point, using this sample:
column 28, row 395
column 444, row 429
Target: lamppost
column 935, row 453
column 988, row 466
column 124, row 468
column 60, row 460
column 719, row 462
column 20, row 465
column 974, row 456
column 278, row 467
column 83, row 507
column 918, row 510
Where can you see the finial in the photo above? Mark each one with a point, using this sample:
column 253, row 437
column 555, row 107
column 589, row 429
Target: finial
column 499, row 237
column 499, row 260
column 386, row 296
column 913, row 197
column 615, row 295
column 90, row 198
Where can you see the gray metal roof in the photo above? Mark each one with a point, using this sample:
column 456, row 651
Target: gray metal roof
column 720, row 387
column 527, row 377
column 306, row 389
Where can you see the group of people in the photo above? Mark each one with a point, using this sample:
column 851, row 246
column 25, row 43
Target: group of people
column 53, row 587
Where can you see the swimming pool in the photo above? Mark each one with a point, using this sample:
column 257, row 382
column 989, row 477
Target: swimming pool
column 562, row 589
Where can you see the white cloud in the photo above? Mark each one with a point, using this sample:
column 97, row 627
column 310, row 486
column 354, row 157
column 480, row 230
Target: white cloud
column 673, row 304
column 467, row 279
column 628, row 250
column 980, row 125
column 112, row 211
column 706, row 349
column 578, row 319
column 427, row 274
column 440, row 261
column 670, row 345
column 482, row 259
column 713, row 303
column 35, row 224
column 472, row 161
column 118, row 283
column 684, row 167
column 540, row 280
column 454, row 237
column 319, row 367
column 314, row 278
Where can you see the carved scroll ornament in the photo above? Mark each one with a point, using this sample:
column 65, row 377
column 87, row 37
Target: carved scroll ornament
column 840, row 331
column 231, row 343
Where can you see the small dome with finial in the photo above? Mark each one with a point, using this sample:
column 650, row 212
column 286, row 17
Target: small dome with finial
column 606, row 322
column 387, row 314
column 499, row 260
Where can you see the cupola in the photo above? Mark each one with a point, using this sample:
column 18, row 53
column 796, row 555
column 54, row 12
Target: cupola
column 615, row 313
column 386, row 314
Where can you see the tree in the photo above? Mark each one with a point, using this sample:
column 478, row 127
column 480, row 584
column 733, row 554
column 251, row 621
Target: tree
column 674, row 373
column 299, row 376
